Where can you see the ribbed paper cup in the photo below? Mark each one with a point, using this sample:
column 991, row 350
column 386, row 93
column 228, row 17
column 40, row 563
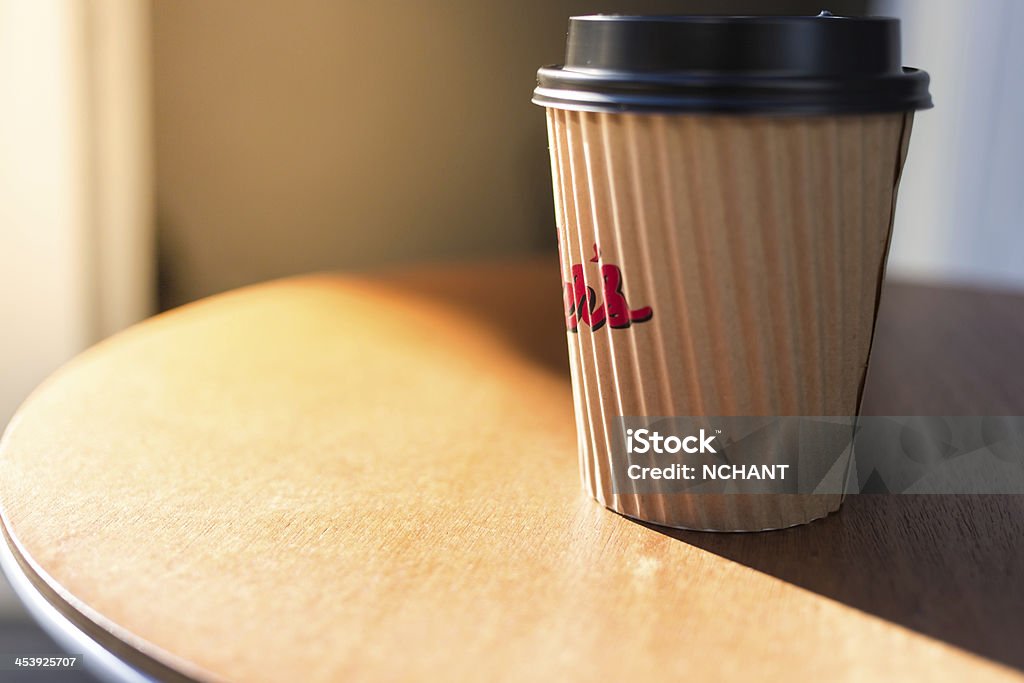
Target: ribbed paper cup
column 718, row 264
column 724, row 194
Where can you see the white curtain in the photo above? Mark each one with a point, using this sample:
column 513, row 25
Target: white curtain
column 76, row 245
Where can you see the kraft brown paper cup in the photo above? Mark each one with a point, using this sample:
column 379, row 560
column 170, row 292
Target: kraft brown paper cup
column 724, row 193
column 759, row 246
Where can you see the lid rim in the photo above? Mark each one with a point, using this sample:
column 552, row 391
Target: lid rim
column 644, row 91
column 724, row 18
column 698, row 105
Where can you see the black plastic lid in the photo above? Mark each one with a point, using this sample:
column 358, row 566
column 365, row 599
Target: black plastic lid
column 787, row 65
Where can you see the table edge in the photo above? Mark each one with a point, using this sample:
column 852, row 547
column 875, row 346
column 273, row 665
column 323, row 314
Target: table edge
column 103, row 654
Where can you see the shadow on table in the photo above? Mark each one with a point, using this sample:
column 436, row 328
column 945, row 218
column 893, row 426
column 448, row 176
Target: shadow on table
column 950, row 567
column 945, row 566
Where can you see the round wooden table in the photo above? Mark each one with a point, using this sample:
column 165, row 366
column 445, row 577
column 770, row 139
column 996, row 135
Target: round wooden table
column 374, row 478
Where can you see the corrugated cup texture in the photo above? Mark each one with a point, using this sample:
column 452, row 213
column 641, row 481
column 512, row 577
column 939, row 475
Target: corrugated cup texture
column 719, row 265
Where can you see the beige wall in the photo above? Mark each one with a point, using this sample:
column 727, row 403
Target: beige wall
column 302, row 135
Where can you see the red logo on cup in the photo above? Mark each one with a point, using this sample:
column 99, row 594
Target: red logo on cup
column 581, row 305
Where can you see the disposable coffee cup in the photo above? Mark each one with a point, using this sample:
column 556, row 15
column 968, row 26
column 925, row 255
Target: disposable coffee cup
column 724, row 195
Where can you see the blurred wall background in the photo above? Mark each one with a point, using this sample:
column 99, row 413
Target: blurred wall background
column 323, row 134
column 320, row 134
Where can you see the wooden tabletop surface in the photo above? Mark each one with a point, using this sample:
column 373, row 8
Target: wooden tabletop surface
column 344, row 478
